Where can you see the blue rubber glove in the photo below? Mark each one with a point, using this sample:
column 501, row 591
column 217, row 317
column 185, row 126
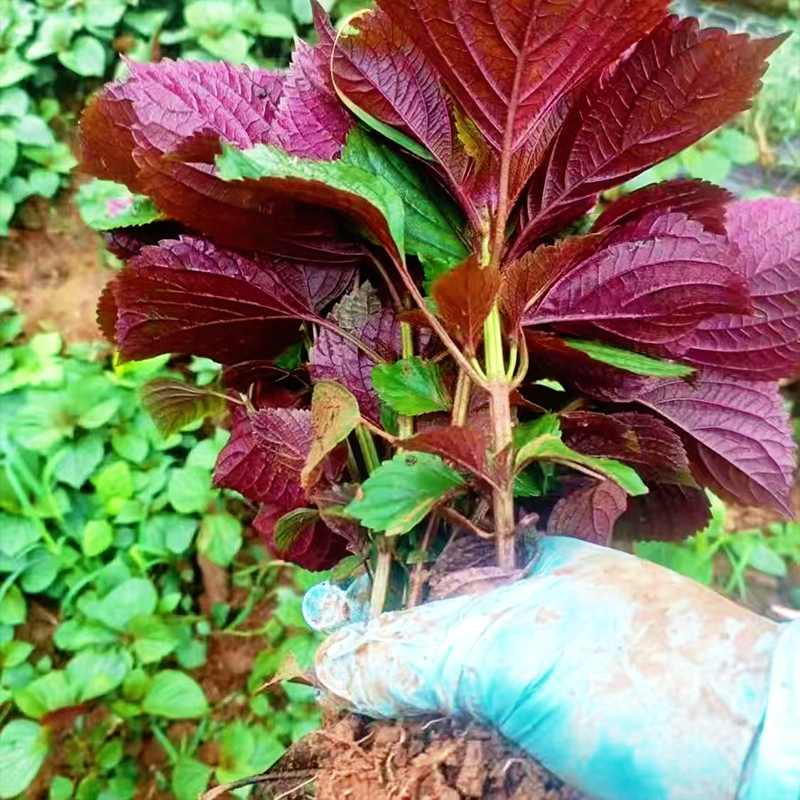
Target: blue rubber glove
column 627, row 680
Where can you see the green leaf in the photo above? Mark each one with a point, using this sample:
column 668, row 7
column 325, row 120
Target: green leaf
column 220, row 538
column 18, row 533
column 174, row 695
column 291, row 525
column 43, row 695
column 72, row 634
column 44, row 183
column 8, row 152
column 109, row 755
column 32, row 129
column 174, row 405
column 628, row 360
column 189, row 778
column 153, row 639
column 402, row 491
column 275, row 25
column 319, row 178
column 60, row 788
column 58, row 157
column 53, row 36
column 97, row 537
column 23, row 747
column 433, row 224
column 42, row 569
column 80, row 460
column 737, row 146
column 759, row 557
column 14, row 102
column 541, row 440
column 114, row 485
column 13, row 653
column 411, row 386
column 7, row 207
column 132, row 598
column 334, row 416
column 13, row 608
column 105, row 205
column 86, row 56
column 130, row 444
column 164, row 533
column 188, row 489
column 204, row 454
column 13, row 69
column 99, row 414
column 95, row 673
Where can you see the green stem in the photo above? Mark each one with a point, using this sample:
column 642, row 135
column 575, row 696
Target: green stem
column 368, row 450
column 499, row 388
column 405, row 425
column 513, row 353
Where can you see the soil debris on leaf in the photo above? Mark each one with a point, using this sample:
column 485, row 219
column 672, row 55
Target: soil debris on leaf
column 353, row 758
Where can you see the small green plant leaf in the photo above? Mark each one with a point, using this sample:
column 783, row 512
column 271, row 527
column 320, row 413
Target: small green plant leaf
column 97, row 537
column 220, row 538
column 188, row 489
column 135, row 597
column 433, row 224
column 411, row 386
column 23, row 748
column 541, row 441
column 334, row 416
column 628, row 360
column 369, row 199
column 13, row 608
column 683, row 558
column 402, row 491
column 92, row 674
column 79, row 460
column 189, row 778
column 86, row 56
column 174, row 695
column 105, row 205
column 291, row 525
column 174, row 404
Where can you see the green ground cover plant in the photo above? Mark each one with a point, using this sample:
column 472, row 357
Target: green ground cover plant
column 104, row 520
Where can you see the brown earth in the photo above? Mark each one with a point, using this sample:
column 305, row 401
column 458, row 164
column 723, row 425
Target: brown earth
column 435, row 759
column 54, row 269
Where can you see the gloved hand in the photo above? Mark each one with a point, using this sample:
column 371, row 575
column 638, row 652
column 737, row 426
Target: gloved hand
column 627, row 680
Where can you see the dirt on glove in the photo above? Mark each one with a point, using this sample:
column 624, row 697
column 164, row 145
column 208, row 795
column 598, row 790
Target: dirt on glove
column 353, row 758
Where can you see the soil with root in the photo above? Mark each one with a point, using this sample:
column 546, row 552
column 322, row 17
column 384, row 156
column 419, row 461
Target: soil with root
column 353, row 758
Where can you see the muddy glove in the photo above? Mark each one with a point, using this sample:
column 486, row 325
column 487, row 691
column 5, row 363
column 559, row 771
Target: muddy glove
column 627, row 680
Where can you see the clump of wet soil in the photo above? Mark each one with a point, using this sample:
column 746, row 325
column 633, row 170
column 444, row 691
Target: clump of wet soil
column 353, row 758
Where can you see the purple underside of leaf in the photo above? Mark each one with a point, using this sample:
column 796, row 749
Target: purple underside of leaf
column 189, row 296
column 677, row 84
column 589, row 512
column 650, row 283
column 737, row 433
column 765, row 344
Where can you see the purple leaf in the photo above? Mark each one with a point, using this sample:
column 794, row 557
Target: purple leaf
column 589, row 512
column 641, row 440
column 311, row 122
column 650, row 283
column 669, row 512
column 512, row 65
column 700, row 201
column 677, row 84
column 316, row 548
column 763, row 345
column 737, row 434
column 189, row 296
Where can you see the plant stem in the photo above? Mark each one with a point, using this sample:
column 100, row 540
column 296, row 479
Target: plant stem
column 461, row 399
column 368, row 451
column 417, row 580
column 499, row 389
column 380, row 582
column 405, row 425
